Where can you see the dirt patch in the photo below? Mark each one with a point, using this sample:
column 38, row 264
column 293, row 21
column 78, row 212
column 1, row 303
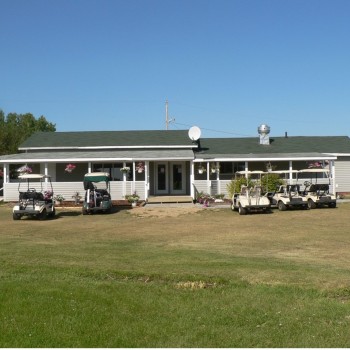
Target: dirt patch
column 166, row 211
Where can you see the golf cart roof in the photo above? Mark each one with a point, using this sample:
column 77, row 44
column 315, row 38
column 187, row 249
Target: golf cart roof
column 314, row 170
column 34, row 176
column 282, row 171
column 250, row 172
column 96, row 177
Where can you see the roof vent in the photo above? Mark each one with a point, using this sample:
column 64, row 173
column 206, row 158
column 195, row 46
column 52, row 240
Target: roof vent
column 264, row 131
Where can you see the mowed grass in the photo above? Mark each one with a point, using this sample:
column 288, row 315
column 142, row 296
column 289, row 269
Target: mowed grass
column 199, row 278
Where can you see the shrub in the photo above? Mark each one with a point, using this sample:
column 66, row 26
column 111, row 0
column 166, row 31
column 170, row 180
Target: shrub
column 271, row 182
column 235, row 185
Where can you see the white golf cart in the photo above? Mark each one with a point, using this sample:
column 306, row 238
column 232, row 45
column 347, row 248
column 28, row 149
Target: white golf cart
column 250, row 198
column 35, row 197
column 317, row 194
column 97, row 195
column 287, row 196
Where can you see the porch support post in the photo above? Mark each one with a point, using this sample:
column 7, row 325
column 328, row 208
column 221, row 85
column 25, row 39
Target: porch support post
column 218, row 176
column 332, row 173
column 46, row 170
column 124, row 182
column 6, row 173
column 208, row 178
column 192, row 179
column 246, row 166
column 290, row 172
column 89, row 167
column 133, row 176
column 146, row 180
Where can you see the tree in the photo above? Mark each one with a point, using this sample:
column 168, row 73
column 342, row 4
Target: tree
column 16, row 128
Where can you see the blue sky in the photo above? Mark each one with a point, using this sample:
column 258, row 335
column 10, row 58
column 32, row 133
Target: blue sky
column 224, row 65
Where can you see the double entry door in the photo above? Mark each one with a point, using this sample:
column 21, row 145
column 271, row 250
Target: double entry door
column 170, row 178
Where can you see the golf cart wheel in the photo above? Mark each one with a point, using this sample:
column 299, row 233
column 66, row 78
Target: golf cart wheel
column 16, row 216
column 241, row 210
column 281, row 206
column 43, row 214
column 52, row 213
column 311, row 204
column 332, row 205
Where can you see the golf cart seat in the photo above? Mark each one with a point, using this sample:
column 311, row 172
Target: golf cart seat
column 102, row 192
column 319, row 188
column 244, row 189
column 31, row 195
column 256, row 191
column 281, row 189
column 293, row 188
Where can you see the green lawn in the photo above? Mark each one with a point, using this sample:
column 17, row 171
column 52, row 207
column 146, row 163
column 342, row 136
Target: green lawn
column 207, row 278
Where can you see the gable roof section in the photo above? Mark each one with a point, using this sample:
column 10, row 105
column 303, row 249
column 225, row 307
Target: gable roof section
column 108, row 139
column 295, row 146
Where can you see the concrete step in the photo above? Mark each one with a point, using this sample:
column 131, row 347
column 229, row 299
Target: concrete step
column 169, row 199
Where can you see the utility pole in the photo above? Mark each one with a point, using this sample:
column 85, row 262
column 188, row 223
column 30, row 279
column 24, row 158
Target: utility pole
column 166, row 115
column 167, row 120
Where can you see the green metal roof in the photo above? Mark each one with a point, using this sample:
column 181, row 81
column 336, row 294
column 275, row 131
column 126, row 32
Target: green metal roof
column 125, row 139
column 149, row 144
column 220, row 147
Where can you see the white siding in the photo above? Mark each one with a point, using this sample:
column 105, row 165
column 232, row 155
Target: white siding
column 342, row 174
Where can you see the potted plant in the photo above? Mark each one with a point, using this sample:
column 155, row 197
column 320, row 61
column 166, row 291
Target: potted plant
column 140, row 167
column 24, row 169
column 69, row 168
column 214, row 169
column 125, row 169
column 59, row 199
column 201, row 169
column 204, row 199
column 76, row 197
column 133, row 198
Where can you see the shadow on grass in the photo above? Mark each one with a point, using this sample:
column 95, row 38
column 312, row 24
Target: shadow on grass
column 75, row 212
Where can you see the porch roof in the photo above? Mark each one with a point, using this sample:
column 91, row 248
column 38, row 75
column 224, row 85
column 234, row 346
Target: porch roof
column 105, row 155
column 263, row 157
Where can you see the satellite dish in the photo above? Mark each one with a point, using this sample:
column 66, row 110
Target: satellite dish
column 194, row 133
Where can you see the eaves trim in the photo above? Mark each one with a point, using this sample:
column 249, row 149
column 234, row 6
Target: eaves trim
column 106, row 147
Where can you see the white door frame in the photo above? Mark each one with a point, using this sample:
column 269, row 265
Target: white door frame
column 168, row 180
column 182, row 171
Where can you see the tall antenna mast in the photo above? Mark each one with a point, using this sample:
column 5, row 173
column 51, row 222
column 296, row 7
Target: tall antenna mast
column 166, row 115
column 167, row 120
